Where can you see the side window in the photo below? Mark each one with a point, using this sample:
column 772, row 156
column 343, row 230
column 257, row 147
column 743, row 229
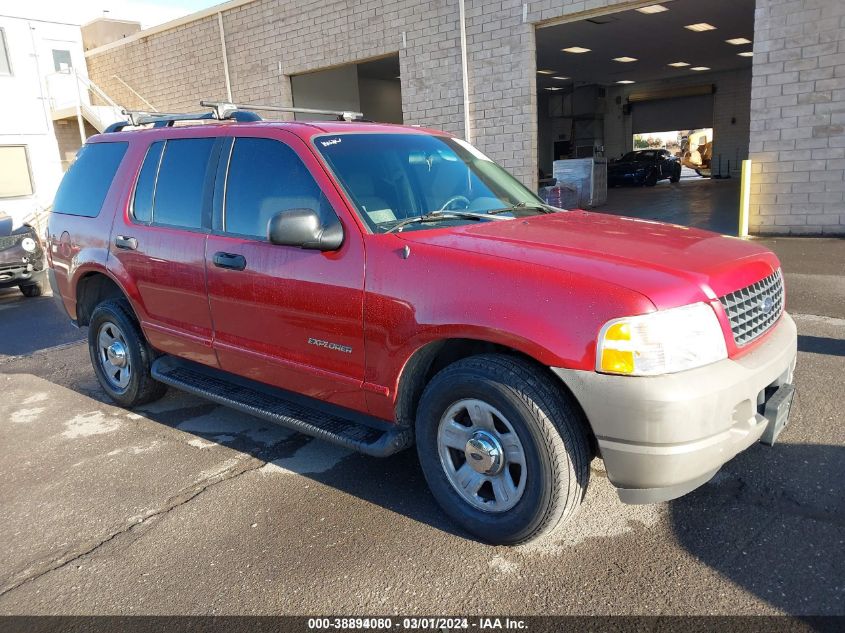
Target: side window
column 61, row 61
column 15, row 175
column 87, row 181
column 180, row 190
column 142, row 204
column 266, row 177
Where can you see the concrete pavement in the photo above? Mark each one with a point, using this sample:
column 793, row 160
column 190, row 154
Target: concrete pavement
column 186, row 507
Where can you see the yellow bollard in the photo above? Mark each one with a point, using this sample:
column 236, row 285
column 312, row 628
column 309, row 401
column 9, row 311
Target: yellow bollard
column 744, row 198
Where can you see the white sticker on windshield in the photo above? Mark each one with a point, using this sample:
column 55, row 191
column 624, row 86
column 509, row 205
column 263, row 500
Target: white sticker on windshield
column 381, row 215
column 330, row 142
column 472, row 150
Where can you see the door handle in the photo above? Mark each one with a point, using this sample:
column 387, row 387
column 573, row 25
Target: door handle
column 128, row 243
column 229, row 260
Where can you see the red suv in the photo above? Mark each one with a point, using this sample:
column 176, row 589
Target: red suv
column 378, row 286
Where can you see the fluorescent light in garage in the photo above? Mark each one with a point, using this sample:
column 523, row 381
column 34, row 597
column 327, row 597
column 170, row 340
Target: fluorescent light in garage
column 700, row 27
column 545, row 72
column 576, row 49
column 562, row 78
column 738, row 41
column 652, row 8
column 625, row 60
column 679, row 64
column 553, row 88
column 746, row 54
column 700, row 68
column 625, row 81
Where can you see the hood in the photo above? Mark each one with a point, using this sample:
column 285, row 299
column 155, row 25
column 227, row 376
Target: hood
column 671, row 265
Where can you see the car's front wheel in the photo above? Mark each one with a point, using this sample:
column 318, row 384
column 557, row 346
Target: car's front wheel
column 676, row 177
column 120, row 355
column 32, row 290
column 504, row 452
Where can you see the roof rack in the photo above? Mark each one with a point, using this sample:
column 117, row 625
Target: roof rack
column 224, row 106
column 220, row 111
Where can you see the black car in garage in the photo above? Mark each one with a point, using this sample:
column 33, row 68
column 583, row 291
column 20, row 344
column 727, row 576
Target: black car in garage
column 644, row 167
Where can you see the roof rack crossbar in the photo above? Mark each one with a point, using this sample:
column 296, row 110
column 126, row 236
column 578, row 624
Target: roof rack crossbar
column 223, row 106
column 167, row 119
column 220, row 111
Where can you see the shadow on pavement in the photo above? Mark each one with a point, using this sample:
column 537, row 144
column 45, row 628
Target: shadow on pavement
column 821, row 345
column 32, row 324
column 773, row 522
column 395, row 483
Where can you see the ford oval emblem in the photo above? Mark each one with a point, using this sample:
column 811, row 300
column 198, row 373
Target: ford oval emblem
column 767, row 304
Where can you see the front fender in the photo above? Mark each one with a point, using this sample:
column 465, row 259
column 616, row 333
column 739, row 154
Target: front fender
column 550, row 315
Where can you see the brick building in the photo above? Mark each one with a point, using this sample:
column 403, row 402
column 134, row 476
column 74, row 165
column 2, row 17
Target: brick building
column 470, row 67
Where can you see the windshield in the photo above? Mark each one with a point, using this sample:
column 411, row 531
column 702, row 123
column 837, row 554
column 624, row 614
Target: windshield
column 393, row 177
column 639, row 156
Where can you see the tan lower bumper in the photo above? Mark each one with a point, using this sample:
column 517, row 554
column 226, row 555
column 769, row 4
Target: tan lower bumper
column 663, row 436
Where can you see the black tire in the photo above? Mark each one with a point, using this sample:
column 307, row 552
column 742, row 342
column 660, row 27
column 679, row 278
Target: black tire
column 32, row 290
column 676, row 178
column 141, row 387
column 550, row 429
column 651, row 179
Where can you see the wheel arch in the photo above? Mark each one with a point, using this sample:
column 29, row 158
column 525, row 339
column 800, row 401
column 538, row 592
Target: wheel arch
column 436, row 355
column 94, row 287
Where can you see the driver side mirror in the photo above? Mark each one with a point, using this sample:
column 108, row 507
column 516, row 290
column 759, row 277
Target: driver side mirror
column 303, row 228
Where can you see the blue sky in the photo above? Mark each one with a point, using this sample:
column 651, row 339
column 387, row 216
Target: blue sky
column 147, row 12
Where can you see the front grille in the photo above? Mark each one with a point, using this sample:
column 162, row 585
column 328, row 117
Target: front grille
column 752, row 310
column 10, row 240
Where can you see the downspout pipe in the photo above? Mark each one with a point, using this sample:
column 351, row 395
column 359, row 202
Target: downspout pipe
column 465, row 70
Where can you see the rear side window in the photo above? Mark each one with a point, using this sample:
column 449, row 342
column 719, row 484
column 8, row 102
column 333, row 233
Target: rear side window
column 172, row 185
column 266, row 177
column 87, row 181
column 142, row 205
column 180, row 190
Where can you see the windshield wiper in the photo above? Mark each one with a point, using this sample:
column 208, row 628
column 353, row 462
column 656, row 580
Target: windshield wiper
column 434, row 216
column 519, row 206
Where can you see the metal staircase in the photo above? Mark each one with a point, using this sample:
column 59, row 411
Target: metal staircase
column 73, row 95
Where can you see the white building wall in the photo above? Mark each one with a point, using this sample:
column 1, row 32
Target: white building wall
column 25, row 114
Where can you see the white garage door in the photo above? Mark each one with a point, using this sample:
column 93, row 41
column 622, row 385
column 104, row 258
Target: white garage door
column 682, row 113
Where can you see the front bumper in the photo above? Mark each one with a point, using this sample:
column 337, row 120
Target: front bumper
column 615, row 180
column 663, row 436
column 19, row 275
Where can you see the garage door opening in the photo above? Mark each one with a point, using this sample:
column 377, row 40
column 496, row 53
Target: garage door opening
column 692, row 148
column 677, row 73
column 372, row 87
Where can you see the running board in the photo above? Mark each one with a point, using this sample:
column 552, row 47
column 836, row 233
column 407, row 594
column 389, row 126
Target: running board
column 289, row 410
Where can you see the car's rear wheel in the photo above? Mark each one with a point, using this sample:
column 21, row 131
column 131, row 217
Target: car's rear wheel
column 120, row 355
column 32, row 290
column 651, row 179
column 504, row 452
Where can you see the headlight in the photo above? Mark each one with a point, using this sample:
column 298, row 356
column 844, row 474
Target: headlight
column 661, row 342
column 28, row 244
